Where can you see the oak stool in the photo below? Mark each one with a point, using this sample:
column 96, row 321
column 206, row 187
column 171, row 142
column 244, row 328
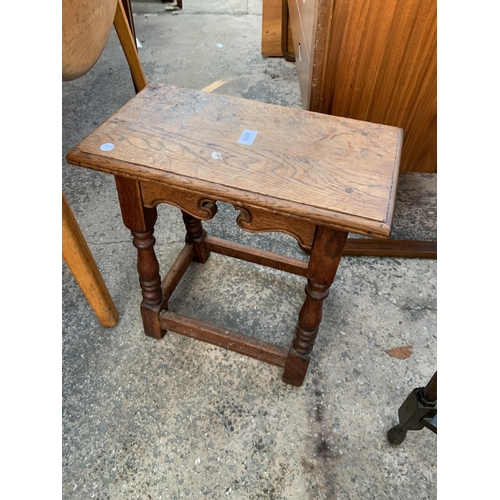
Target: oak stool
column 316, row 177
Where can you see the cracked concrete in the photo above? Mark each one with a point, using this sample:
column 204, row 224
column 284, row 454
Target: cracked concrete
column 179, row 418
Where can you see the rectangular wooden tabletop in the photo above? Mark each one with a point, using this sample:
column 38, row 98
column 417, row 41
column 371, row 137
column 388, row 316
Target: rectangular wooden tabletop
column 323, row 168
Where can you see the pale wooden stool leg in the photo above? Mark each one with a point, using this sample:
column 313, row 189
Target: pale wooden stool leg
column 141, row 220
column 323, row 263
column 79, row 259
column 129, row 46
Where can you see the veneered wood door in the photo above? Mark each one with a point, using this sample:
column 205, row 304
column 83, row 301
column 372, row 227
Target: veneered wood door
column 372, row 60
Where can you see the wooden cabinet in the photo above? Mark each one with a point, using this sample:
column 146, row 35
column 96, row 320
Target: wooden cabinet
column 372, row 60
column 271, row 29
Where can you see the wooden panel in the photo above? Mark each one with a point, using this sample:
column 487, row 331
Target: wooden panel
column 325, row 169
column 257, row 220
column 251, row 218
column 376, row 61
column 271, row 29
column 86, row 25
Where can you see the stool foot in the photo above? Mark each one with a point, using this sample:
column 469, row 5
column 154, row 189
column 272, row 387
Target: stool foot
column 295, row 368
column 151, row 321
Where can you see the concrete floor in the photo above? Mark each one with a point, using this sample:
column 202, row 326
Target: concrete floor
column 178, row 418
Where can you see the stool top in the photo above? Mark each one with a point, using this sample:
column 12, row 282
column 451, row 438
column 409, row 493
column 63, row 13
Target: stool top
column 332, row 171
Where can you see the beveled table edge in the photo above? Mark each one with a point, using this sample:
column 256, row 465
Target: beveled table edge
column 242, row 197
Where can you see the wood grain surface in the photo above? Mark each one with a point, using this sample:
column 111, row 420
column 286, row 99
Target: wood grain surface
column 271, row 29
column 394, row 80
column 325, row 169
column 222, row 337
column 86, row 25
column 373, row 60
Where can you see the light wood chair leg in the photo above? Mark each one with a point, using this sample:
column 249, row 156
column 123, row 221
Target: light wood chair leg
column 129, row 46
column 81, row 263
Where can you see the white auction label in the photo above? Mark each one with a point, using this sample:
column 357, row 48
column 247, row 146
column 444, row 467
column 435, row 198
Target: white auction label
column 247, row 137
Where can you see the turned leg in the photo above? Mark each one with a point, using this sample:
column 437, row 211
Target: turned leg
column 195, row 234
column 141, row 220
column 325, row 257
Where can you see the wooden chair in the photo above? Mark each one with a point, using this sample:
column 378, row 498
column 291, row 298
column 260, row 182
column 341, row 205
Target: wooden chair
column 313, row 176
column 86, row 28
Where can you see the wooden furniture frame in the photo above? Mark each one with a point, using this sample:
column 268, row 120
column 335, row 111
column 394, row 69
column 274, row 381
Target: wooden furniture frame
column 272, row 36
column 191, row 149
column 79, row 56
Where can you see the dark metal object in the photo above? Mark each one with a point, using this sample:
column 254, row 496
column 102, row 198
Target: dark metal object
column 418, row 411
column 284, row 32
